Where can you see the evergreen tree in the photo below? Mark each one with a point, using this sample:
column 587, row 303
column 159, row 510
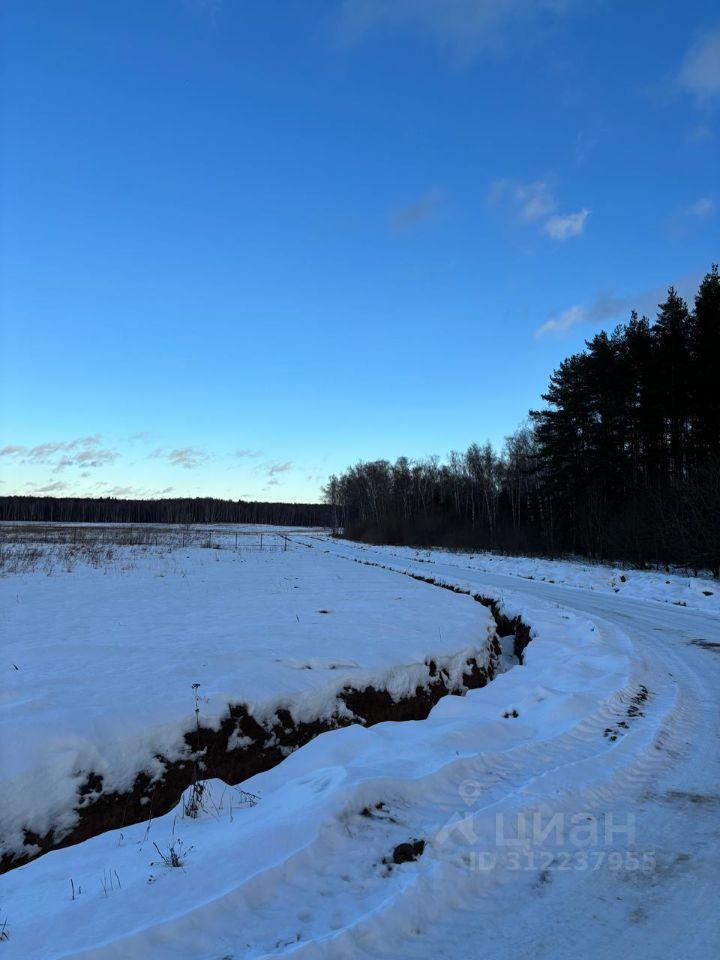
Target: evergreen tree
column 705, row 347
column 674, row 381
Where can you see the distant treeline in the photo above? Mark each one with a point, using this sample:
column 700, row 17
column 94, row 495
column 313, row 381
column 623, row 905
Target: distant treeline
column 623, row 463
column 169, row 510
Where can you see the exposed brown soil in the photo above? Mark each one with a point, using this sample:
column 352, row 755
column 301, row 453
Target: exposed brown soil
column 408, row 852
column 208, row 754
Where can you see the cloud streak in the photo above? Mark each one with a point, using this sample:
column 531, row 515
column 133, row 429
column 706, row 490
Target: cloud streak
column 462, row 29
column 700, row 71
column 567, row 225
column 529, row 201
column 69, row 466
column 86, row 452
column 54, row 487
column 608, row 308
column 689, row 218
column 189, row 458
column 704, row 207
column 535, row 203
column 604, row 308
column 420, row 210
column 279, row 467
column 243, row 454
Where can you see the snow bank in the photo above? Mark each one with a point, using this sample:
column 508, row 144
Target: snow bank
column 100, row 663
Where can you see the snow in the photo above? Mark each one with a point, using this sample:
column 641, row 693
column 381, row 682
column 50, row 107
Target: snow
column 615, row 738
column 107, row 685
column 701, row 593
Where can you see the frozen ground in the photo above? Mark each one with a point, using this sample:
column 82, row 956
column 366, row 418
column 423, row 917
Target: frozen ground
column 599, row 757
column 100, row 661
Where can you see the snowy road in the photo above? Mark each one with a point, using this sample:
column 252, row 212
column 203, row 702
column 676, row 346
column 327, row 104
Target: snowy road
column 569, row 809
column 675, row 799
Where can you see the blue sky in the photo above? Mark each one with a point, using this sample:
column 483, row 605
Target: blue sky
column 247, row 243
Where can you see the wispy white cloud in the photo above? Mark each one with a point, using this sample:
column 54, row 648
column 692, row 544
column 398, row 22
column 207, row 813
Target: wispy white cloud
column 604, row 309
column 279, row 467
column 121, row 492
column 529, row 201
column 242, row 454
column 103, row 489
column 55, row 487
column 86, row 452
column 700, row 71
column 607, row 308
column 704, row 207
column 688, row 219
column 561, row 322
column 533, row 201
column 564, row 226
column 422, row 209
column 189, row 458
column 274, row 471
column 536, row 203
column 90, row 457
column 462, row 29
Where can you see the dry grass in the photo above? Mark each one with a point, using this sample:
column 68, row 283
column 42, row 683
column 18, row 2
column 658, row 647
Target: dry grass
column 20, row 558
column 49, row 548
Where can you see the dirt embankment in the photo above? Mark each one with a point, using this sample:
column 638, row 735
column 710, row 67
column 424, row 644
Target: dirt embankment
column 213, row 753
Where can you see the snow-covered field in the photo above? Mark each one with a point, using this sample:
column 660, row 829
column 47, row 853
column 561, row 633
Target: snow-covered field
column 100, row 661
column 568, row 809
